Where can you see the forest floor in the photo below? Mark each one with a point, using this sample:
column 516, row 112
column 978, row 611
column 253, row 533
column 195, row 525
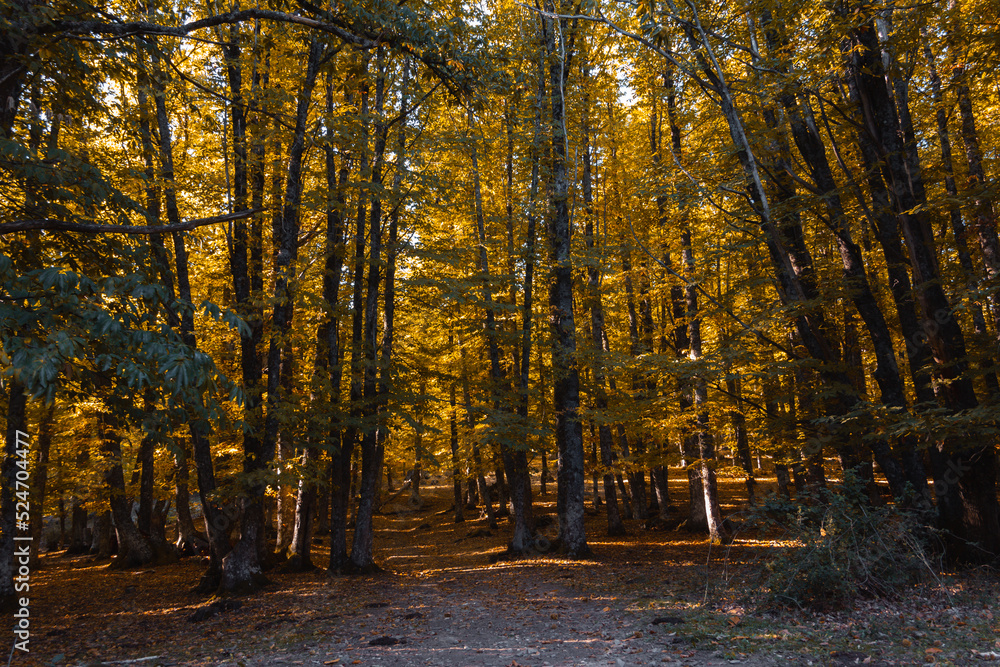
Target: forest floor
column 649, row 598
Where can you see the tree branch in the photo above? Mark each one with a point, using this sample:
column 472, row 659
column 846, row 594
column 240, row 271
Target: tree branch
column 49, row 224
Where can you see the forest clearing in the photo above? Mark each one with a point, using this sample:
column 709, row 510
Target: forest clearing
column 650, row 598
column 267, row 272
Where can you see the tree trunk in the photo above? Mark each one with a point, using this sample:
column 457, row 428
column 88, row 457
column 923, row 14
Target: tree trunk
column 734, row 386
column 565, row 370
column 215, row 522
column 189, row 540
column 957, row 225
column 598, row 334
column 476, row 478
column 134, row 548
column 344, row 470
column 634, row 445
column 40, row 478
column 361, row 558
column 974, row 464
column 456, row 473
column 17, row 438
column 242, row 568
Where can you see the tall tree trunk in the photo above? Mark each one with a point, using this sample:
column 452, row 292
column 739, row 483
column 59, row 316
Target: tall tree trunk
column 810, row 145
column 737, row 419
column 515, row 462
column 565, row 371
column 189, row 540
column 339, row 556
column 974, row 464
column 215, row 522
column 958, row 226
column 242, row 568
column 328, row 360
column 598, row 334
column 703, row 438
column 361, row 558
column 476, row 477
column 984, row 220
column 134, row 548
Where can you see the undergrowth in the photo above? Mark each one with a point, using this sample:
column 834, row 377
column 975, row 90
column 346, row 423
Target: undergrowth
column 833, row 547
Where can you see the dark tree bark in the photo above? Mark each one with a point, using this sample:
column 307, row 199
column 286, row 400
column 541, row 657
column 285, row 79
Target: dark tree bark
column 893, row 394
column 343, row 471
column 328, row 363
column 189, row 540
column 456, row 472
column 565, row 371
column 633, row 446
column 973, row 464
column 599, row 336
column 242, row 568
column 147, row 476
column 134, row 548
column 958, row 228
column 737, row 419
column 361, row 557
column 40, row 479
column 514, row 461
column 215, row 522
column 16, row 438
column 477, row 480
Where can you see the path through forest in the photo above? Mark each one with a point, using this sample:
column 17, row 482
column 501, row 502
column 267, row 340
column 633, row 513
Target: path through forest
column 640, row 601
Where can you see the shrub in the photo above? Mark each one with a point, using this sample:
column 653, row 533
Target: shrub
column 838, row 547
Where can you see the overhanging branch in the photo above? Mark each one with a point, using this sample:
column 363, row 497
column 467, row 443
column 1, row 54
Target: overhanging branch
column 52, row 225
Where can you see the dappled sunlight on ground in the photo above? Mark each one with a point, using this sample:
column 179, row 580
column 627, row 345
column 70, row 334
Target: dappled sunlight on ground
column 650, row 597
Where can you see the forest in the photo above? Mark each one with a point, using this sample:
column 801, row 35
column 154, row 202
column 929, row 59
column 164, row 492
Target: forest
column 265, row 270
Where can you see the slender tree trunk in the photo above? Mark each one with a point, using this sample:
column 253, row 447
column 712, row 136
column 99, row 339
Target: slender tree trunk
column 599, row 336
column 456, row 472
column 40, row 479
column 134, row 548
column 189, row 540
column 958, row 227
column 476, row 475
column 328, row 362
column 215, row 522
column 361, row 559
column 634, row 445
column 565, row 371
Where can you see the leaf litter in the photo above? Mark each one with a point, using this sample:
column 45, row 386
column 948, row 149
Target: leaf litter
column 651, row 598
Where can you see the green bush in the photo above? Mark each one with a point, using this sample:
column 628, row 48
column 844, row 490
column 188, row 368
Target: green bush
column 837, row 547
